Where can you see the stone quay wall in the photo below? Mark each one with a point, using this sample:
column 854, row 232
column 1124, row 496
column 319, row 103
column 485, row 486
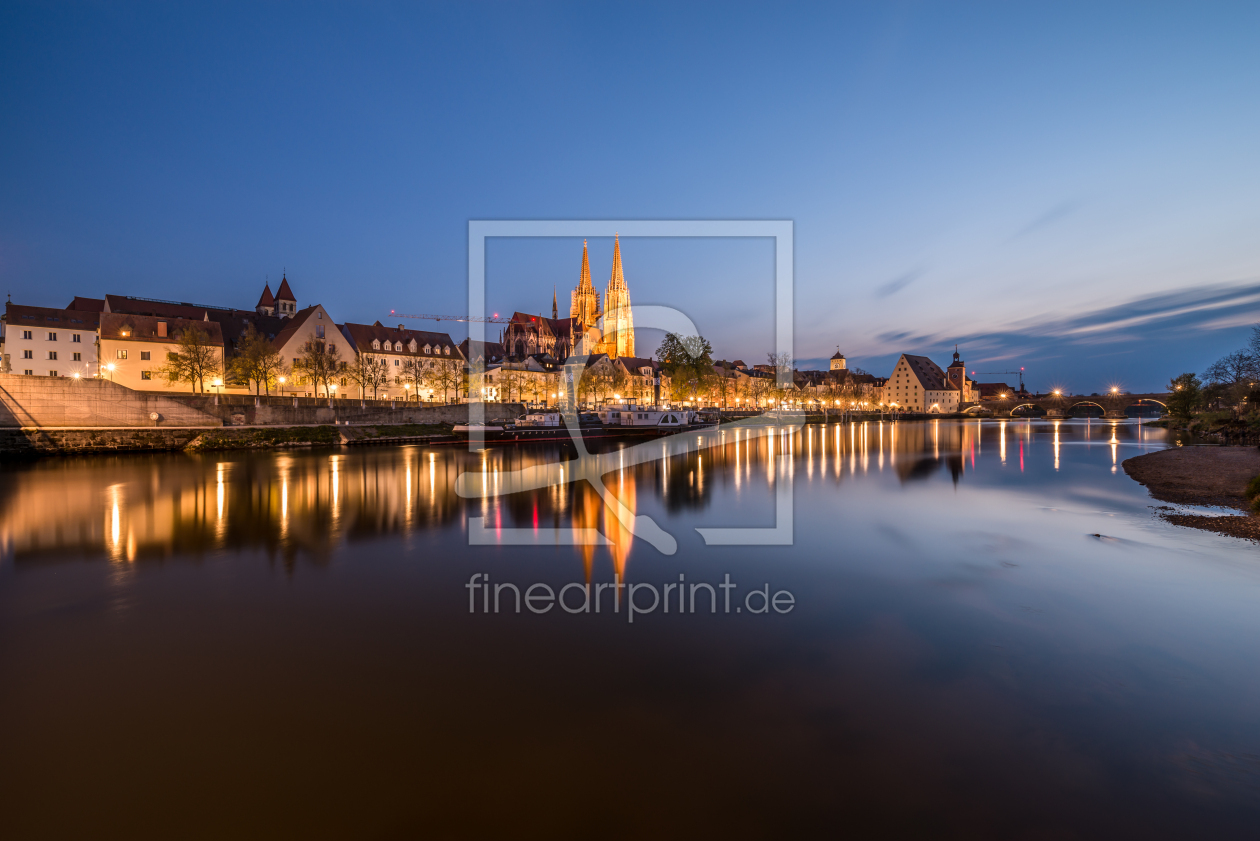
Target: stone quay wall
column 245, row 410
column 65, row 401
column 18, row 443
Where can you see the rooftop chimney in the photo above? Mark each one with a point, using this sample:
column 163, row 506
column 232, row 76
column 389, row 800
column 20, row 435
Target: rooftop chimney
column 162, row 329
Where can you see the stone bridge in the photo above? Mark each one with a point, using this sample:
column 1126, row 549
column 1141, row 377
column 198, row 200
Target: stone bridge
column 1061, row 405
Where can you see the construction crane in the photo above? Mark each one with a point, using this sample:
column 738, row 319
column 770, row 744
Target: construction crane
column 1020, row 372
column 484, row 319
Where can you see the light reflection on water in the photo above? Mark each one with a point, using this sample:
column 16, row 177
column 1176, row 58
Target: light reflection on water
column 992, row 631
column 135, row 507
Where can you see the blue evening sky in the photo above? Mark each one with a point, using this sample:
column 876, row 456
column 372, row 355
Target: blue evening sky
column 1074, row 188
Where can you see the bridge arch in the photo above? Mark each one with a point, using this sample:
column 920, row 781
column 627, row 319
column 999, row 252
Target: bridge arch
column 1086, row 403
column 1142, row 400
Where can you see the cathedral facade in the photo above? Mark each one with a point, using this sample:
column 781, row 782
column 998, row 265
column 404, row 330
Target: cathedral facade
column 608, row 329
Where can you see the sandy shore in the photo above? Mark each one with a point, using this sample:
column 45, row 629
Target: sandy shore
column 1202, row 476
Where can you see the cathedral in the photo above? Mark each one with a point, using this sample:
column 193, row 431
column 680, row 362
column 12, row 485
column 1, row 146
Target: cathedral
column 611, row 328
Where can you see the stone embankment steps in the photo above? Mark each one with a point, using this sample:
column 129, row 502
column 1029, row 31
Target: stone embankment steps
column 62, row 415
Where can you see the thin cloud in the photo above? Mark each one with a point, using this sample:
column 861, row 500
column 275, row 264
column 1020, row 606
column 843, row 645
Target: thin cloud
column 1052, row 216
column 895, row 285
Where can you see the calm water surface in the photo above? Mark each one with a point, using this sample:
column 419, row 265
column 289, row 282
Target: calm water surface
column 992, row 634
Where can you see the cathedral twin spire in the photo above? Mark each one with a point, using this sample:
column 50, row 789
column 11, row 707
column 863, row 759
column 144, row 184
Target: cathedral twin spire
column 618, row 323
column 618, row 318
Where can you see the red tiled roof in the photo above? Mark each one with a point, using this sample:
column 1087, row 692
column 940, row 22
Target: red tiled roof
column 87, row 304
column 267, row 300
column 20, row 315
column 284, row 293
column 144, row 328
column 165, row 309
column 362, row 336
column 291, row 326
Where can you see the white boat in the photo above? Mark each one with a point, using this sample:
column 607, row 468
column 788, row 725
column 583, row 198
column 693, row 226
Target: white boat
column 629, row 413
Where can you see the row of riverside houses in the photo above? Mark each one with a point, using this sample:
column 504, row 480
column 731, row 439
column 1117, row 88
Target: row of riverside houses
column 136, row 341
column 917, row 384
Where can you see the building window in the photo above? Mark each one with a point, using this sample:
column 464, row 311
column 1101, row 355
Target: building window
column 319, row 331
column 144, row 356
column 146, row 375
column 122, row 354
column 28, row 354
column 29, row 372
column 52, row 373
column 52, row 337
column 319, row 315
column 52, row 354
column 447, row 350
column 395, row 363
column 26, row 334
column 343, row 382
column 75, row 337
column 78, row 357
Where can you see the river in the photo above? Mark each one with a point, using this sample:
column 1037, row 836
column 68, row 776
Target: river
column 978, row 626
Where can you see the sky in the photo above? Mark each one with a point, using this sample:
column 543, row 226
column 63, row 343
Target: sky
column 1069, row 188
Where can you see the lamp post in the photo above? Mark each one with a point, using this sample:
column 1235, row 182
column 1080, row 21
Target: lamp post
column 110, row 367
column 280, row 381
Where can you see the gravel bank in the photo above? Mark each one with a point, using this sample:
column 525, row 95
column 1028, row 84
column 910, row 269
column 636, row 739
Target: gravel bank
column 1202, row 476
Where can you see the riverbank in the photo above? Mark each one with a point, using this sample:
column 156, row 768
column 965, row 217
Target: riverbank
column 1215, row 476
column 38, row 442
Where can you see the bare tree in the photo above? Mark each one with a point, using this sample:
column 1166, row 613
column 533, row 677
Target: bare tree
column 256, row 361
column 446, row 375
column 194, row 360
column 369, row 373
column 319, row 361
column 415, row 373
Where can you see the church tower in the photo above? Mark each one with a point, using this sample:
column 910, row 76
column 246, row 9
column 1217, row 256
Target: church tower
column 585, row 300
column 618, row 319
column 956, row 376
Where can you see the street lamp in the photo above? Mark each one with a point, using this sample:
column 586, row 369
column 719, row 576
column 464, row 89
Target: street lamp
column 110, row 368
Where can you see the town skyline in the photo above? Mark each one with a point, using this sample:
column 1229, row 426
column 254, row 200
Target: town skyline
column 1082, row 204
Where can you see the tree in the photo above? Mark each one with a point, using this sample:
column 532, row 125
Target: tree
column 1232, row 369
column 369, row 373
column 446, row 375
column 415, row 374
column 1186, row 393
column 319, row 361
column 509, row 381
column 618, row 380
column 535, row 386
column 683, row 351
column 759, row 387
column 782, row 365
column 194, row 360
column 688, row 362
column 256, row 361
